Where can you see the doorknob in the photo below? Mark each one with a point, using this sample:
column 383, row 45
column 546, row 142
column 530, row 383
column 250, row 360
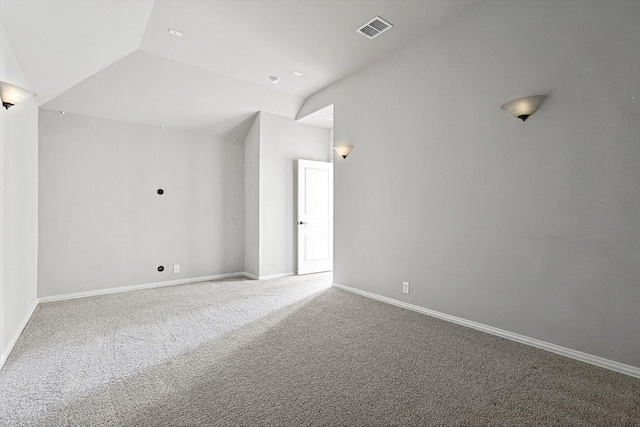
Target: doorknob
column 303, row 223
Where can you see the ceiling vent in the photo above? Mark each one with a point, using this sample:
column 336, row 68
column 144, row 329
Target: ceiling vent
column 374, row 28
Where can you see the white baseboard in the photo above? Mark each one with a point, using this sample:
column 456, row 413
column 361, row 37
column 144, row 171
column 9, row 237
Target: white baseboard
column 269, row 277
column 276, row 276
column 563, row 351
column 137, row 287
column 5, row 354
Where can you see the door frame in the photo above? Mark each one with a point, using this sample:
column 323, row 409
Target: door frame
column 315, row 221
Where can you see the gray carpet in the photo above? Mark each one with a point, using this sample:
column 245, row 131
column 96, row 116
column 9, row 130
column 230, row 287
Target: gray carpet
column 291, row 351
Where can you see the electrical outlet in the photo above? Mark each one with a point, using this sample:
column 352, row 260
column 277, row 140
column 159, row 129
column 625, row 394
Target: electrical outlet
column 405, row 287
column 176, row 269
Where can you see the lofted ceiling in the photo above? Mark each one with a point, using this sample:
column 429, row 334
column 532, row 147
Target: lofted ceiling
column 115, row 58
column 60, row 43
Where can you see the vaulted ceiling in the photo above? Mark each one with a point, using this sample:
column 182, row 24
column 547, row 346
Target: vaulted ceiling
column 115, row 59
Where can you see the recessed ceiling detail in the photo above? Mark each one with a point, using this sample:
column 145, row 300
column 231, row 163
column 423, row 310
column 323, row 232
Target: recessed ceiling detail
column 319, row 117
column 374, row 28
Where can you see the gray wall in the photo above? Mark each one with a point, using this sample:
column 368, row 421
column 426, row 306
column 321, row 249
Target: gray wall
column 252, row 199
column 18, row 205
column 282, row 142
column 102, row 225
column 530, row 227
column 272, row 146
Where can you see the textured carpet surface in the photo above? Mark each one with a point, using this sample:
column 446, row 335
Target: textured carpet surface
column 290, row 351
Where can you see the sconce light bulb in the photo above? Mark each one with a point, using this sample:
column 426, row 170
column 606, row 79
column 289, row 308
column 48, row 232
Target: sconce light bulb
column 522, row 108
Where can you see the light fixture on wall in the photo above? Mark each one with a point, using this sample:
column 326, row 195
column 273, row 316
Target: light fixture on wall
column 12, row 94
column 522, row 108
column 344, row 150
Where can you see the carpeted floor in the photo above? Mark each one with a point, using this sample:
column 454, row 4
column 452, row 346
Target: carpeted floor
column 290, row 351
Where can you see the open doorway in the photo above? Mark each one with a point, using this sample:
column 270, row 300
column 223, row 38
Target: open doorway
column 315, row 216
column 315, row 202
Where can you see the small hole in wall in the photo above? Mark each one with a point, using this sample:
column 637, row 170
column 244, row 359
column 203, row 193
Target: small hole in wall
column 161, row 269
column 160, row 191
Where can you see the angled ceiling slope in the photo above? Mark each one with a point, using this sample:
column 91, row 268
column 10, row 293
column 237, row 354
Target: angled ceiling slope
column 252, row 40
column 83, row 56
column 60, row 43
column 147, row 89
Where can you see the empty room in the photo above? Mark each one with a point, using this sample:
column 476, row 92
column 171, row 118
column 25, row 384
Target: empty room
column 319, row 212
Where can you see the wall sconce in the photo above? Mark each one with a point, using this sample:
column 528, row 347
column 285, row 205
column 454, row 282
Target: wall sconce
column 12, row 94
column 344, row 150
column 522, row 108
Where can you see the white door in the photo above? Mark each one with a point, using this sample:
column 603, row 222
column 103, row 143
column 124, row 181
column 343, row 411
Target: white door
column 315, row 216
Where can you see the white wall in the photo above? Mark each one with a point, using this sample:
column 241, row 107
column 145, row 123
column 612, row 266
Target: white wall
column 530, row 227
column 252, row 199
column 271, row 149
column 282, row 142
column 18, row 206
column 102, row 223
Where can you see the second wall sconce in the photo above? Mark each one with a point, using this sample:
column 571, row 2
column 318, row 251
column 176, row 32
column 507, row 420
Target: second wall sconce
column 344, row 150
column 12, row 94
column 522, row 108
